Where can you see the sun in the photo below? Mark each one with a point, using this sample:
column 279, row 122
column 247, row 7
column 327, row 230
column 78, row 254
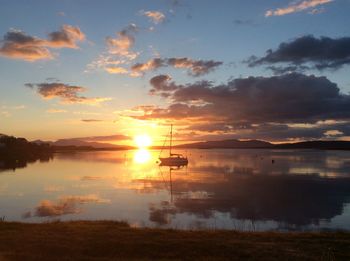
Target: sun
column 143, row 140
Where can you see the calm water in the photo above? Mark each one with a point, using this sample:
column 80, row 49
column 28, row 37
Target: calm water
column 231, row 189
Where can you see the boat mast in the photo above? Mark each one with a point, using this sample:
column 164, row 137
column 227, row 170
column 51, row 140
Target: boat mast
column 171, row 137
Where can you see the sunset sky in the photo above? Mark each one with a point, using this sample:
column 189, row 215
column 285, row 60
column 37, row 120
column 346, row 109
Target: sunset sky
column 110, row 70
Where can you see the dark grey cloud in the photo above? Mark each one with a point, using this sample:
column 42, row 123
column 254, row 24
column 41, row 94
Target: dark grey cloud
column 265, row 131
column 66, row 93
column 320, row 53
column 272, row 108
column 194, row 67
column 288, row 98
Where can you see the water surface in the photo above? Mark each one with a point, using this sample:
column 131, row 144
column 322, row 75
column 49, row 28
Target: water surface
column 231, row 189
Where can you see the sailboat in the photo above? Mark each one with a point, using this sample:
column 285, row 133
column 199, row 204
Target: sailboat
column 174, row 159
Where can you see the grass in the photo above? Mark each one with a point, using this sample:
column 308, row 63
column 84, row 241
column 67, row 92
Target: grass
column 106, row 240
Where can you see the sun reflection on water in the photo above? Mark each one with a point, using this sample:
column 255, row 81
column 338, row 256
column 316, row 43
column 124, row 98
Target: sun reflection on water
column 142, row 156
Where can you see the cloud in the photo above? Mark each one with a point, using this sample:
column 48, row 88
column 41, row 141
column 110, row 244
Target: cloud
column 106, row 138
column 322, row 53
column 254, row 106
column 19, row 45
column 150, row 65
column 162, row 86
column 266, row 131
column 119, row 52
column 124, row 41
column 55, row 111
column 116, row 70
column 91, row 120
column 91, row 178
column 115, row 137
column 66, row 205
column 155, row 16
column 288, row 98
column 66, row 93
column 247, row 22
column 296, row 6
column 53, row 189
column 333, row 133
column 277, row 70
column 317, row 11
column 67, row 37
column 194, row 67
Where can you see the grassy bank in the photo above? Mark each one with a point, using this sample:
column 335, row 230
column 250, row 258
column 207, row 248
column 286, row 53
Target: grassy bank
column 104, row 240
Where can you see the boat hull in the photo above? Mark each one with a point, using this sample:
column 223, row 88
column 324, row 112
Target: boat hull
column 173, row 161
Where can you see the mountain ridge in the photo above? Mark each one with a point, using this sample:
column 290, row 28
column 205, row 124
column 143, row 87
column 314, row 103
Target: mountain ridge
column 76, row 143
column 230, row 143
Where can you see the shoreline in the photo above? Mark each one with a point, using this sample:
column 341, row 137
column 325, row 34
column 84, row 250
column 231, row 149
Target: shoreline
column 105, row 240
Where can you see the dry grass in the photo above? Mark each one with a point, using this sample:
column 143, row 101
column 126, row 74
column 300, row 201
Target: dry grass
column 105, row 240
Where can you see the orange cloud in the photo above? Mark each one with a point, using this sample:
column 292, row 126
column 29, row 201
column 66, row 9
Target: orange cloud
column 147, row 66
column 53, row 189
column 296, row 7
column 67, row 93
column 19, row 45
column 194, row 67
column 116, row 70
column 155, row 16
column 67, row 37
column 123, row 42
column 55, row 111
column 118, row 52
column 333, row 133
column 91, row 120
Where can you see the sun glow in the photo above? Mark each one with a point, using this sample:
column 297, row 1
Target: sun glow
column 143, row 141
column 142, row 156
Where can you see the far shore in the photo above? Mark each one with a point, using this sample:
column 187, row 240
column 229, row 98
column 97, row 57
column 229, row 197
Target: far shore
column 108, row 240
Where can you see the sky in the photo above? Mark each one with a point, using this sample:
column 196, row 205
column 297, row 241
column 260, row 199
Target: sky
column 110, row 70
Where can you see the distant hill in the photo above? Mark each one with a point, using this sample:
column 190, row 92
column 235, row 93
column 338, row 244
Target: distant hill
column 81, row 143
column 258, row 144
column 19, row 148
column 41, row 142
column 76, row 143
column 227, row 144
column 318, row 144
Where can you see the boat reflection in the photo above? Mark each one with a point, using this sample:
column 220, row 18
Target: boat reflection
column 169, row 184
column 161, row 215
